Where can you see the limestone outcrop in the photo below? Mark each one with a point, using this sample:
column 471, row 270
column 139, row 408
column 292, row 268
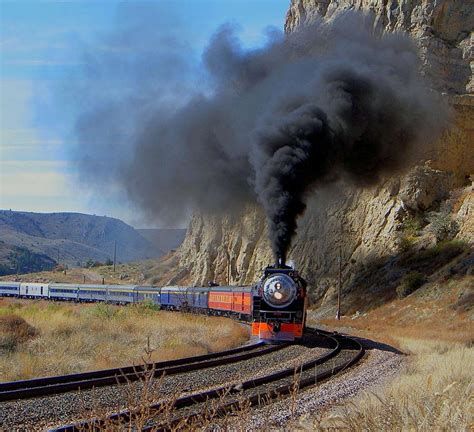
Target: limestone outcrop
column 443, row 30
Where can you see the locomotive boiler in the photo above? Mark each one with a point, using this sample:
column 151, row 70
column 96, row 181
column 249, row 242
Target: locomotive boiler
column 279, row 304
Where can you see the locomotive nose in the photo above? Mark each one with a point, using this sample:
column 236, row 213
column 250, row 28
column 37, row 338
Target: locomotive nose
column 279, row 290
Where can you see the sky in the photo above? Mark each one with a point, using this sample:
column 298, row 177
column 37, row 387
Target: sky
column 42, row 46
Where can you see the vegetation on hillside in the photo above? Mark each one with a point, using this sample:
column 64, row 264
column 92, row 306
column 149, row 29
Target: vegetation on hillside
column 384, row 279
column 22, row 260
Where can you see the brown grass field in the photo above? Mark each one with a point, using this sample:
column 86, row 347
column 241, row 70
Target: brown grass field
column 42, row 338
column 435, row 392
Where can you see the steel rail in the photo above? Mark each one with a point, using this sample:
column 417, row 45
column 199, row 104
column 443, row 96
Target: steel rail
column 80, row 381
column 186, row 401
column 260, row 399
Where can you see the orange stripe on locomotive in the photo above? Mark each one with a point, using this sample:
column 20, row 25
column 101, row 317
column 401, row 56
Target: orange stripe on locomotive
column 240, row 302
column 288, row 331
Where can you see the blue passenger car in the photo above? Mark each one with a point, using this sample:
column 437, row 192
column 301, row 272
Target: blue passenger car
column 176, row 298
column 197, row 297
column 120, row 294
column 149, row 293
column 90, row 293
column 10, row 289
column 173, row 297
column 63, row 291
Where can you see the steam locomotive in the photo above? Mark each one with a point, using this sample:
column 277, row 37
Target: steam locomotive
column 279, row 304
column 275, row 305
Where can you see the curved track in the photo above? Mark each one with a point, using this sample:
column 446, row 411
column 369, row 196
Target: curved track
column 189, row 410
column 39, row 387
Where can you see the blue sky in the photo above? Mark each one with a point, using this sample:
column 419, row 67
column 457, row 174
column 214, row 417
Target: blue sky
column 42, row 46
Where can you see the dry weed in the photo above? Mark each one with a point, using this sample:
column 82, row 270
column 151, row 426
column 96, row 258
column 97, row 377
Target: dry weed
column 14, row 330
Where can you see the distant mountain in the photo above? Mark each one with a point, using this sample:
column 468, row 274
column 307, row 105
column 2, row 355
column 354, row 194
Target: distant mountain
column 164, row 239
column 71, row 238
column 14, row 259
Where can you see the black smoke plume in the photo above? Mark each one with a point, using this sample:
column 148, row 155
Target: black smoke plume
column 331, row 101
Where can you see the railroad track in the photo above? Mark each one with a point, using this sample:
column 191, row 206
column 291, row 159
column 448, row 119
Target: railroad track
column 47, row 386
column 188, row 410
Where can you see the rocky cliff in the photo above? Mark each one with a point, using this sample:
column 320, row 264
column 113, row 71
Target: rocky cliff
column 351, row 226
column 441, row 28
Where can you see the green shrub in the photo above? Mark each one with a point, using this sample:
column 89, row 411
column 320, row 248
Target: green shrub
column 412, row 226
column 410, row 283
column 144, row 307
column 150, row 305
column 104, row 310
column 442, row 225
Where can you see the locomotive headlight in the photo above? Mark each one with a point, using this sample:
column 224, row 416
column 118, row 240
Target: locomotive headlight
column 279, row 290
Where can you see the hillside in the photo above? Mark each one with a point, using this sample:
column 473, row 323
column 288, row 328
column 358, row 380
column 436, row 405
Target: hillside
column 71, row 238
column 163, row 239
column 367, row 225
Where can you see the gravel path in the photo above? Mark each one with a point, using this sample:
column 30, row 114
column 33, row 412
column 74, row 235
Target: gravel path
column 37, row 414
column 377, row 366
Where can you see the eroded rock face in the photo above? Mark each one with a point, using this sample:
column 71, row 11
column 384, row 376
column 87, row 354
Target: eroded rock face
column 357, row 225
column 423, row 186
column 465, row 215
column 341, row 222
column 442, row 29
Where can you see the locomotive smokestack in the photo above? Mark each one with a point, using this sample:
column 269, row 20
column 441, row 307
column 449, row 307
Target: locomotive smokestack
column 280, row 261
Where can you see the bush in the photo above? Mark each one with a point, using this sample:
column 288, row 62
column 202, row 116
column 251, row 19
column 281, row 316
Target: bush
column 405, row 243
column 13, row 331
column 148, row 305
column 104, row 310
column 91, row 263
column 442, row 225
column 410, row 283
column 412, row 226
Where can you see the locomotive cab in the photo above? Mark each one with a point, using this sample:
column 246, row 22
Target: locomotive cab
column 279, row 300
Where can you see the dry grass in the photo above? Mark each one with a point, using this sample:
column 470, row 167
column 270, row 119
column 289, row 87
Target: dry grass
column 435, row 327
column 75, row 338
column 434, row 394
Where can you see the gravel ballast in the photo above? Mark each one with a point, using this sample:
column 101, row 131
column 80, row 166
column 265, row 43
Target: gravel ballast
column 37, row 414
column 378, row 366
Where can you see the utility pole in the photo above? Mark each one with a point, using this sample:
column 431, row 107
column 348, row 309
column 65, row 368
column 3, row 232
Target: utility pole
column 115, row 253
column 339, row 289
column 228, row 266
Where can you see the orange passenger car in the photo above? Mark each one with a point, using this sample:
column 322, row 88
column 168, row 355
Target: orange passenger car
column 231, row 300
